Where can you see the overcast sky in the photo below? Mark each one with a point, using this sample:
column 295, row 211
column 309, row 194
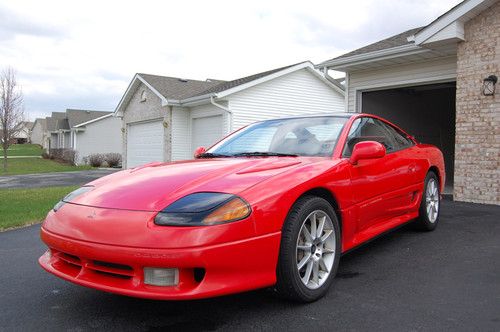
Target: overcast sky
column 83, row 54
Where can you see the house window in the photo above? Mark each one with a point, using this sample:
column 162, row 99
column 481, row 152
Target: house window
column 143, row 96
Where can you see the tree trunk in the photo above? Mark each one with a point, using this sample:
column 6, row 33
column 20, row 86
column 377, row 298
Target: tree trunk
column 4, row 158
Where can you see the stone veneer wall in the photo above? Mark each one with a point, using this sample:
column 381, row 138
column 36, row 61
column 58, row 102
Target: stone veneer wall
column 477, row 150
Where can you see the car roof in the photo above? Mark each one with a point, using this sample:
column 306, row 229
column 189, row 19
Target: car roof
column 317, row 115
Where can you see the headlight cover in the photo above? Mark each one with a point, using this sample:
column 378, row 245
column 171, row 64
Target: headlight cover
column 203, row 209
column 71, row 196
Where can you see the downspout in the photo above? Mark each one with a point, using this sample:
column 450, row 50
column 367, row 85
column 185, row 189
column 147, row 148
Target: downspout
column 222, row 107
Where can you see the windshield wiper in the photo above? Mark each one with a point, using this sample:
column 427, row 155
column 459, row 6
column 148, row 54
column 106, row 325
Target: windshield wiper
column 212, row 155
column 264, row 154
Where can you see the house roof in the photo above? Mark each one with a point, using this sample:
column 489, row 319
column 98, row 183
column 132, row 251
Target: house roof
column 76, row 117
column 43, row 123
column 427, row 42
column 176, row 91
column 175, row 88
column 394, row 41
column 51, row 123
column 243, row 80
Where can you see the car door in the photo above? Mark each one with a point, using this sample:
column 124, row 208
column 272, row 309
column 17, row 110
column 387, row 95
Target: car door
column 377, row 184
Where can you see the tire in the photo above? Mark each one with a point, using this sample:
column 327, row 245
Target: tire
column 307, row 264
column 430, row 204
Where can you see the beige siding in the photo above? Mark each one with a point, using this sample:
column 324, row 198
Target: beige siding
column 149, row 110
column 300, row 92
column 440, row 70
column 103, row 136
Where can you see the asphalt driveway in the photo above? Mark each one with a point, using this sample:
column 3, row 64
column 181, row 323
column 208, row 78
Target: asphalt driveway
column 52, row 179
column 448, row 279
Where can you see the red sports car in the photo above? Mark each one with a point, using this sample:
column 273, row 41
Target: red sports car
column 273, row 204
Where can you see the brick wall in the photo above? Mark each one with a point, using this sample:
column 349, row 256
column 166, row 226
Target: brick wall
column 477, row 151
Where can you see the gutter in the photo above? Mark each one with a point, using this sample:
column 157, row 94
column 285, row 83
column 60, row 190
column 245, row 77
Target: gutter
column 376, row 55
column 222, row 107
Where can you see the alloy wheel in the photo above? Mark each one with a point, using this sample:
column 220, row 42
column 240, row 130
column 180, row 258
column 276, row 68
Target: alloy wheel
column 315, row 252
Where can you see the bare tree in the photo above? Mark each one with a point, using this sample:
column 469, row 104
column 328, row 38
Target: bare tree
column 11, row 110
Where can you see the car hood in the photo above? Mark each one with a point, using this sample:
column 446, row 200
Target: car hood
column 154, row 186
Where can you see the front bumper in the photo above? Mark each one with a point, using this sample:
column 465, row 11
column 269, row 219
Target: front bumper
column 205, row 271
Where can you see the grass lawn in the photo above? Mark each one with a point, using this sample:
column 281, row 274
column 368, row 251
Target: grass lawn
column 36, row 165
column 26, row 206
column 23, row 150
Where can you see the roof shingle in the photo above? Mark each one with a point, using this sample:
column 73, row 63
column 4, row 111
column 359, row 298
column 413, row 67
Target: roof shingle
column 394, row 41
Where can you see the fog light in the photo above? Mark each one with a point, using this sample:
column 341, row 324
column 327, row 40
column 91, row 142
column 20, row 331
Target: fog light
column 161, row 277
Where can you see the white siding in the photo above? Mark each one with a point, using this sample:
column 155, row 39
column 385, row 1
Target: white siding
column 103, row 136
column 441, row 70
column 207, row 111
column 206, row 131
column 181, row 136
column 300, row 92
column 37, row 133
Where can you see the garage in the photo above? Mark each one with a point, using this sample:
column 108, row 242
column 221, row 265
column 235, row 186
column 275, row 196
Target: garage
column 206, row 131
column 425, row 111
column 145, row 143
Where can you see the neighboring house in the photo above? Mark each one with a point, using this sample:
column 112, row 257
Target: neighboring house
column 166, row 118
column 99, row 135
column 87, row 132
column 39, row 132
column 430, row 81
column 24, row 133
column 54, row 123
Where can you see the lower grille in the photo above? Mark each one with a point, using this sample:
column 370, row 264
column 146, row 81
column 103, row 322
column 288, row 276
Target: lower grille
column 75, row 264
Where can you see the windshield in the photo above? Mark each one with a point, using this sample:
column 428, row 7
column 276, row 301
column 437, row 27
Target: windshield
column 312, row 136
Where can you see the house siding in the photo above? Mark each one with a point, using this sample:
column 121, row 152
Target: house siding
column 477, row 150
column 103, row 136
column 428, row 72
column 37, row 134
column 149, row 110
column 181, row 135
column 297, row 93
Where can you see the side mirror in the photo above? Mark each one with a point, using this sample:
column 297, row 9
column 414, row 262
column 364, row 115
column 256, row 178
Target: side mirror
column 366, row 150
column 199, row 150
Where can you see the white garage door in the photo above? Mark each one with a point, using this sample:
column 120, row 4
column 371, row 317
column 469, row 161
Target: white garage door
column 206, row 131
column 144, row 143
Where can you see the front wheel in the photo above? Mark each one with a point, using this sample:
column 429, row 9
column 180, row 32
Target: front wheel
column 430, row 204
column 309, row 251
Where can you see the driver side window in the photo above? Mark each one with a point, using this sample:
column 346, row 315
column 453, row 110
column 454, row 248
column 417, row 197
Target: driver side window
column 367, row 129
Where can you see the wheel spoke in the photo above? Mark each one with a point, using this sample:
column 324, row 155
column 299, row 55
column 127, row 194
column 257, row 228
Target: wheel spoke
column 327, row 234
column 307, row 275
column 306, row 233
column 316, row 272
column 323, row 266
column 304, row 261
column 321, row 226
column 305, row 247
column 327, row 251
column 313, row 226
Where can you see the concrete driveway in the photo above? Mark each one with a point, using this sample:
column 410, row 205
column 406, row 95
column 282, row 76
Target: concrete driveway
column 446, row 280
column 52, row 179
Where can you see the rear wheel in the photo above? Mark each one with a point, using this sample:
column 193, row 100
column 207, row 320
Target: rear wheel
column 309, row 251
column 430, row 204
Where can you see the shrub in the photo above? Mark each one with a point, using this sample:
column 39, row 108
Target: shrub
column 69, row 156
column 113, row 159
column 64, row 155
column 96, row 159
column 56, row 154
column 45, row 155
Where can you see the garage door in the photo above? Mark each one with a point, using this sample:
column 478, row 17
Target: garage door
column 144, row 143
column 206, row 131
